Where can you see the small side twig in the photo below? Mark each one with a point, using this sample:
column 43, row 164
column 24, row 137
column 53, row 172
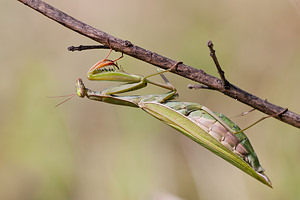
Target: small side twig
column 213, row 55
column 210, row 45
column 87, row 47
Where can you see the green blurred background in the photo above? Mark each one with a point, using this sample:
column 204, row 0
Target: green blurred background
column 91, row 150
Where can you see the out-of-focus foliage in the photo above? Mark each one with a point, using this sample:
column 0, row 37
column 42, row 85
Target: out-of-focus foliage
column 91, row 150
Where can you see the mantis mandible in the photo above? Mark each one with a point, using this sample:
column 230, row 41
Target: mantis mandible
column 212, row 130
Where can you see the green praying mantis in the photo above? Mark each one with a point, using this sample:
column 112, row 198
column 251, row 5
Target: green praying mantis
column 212, row 130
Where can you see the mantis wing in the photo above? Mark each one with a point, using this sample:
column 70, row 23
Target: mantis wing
column 180, row 122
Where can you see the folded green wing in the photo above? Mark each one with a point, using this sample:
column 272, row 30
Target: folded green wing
column 193, row 131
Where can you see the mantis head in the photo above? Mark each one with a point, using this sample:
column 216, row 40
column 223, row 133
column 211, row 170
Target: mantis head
column 80, row 88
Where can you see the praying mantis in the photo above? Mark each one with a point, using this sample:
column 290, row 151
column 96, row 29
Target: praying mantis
column 212, row 130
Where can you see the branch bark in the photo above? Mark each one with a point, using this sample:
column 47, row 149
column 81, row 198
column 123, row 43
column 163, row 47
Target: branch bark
column 153, row 58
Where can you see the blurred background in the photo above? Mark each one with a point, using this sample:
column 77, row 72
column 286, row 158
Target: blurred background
column 92, row 150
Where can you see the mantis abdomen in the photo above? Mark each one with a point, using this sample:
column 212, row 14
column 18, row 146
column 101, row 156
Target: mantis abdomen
column 204, row 126
column 211, row 122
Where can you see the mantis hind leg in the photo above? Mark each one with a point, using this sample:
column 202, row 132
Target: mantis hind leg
column 236, row 132
column 263, row 118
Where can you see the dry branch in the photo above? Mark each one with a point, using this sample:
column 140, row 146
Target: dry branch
column 153, row 58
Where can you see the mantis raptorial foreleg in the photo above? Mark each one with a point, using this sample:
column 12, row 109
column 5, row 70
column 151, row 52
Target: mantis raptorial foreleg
column 108, row 70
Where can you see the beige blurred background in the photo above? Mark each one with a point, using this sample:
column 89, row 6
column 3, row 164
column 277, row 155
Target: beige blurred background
column 91, row 150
